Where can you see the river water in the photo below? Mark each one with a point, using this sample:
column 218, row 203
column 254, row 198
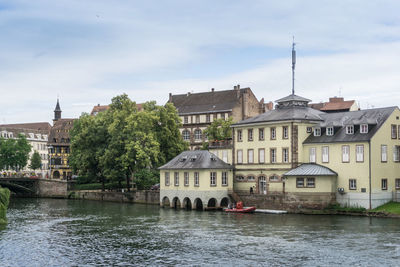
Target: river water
column 58, row 232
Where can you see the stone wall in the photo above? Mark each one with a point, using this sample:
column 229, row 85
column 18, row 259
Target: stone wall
column 51, row 188
column 140, row 196
column 289, row 201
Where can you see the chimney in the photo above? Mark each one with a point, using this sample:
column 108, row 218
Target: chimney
column 212, row 89
column 98, row 105
column 170, row 97
column 270, row 105
column 336, row 99
column 238, row 86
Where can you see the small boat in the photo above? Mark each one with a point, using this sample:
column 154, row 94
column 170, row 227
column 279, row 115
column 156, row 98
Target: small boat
column 240, row 209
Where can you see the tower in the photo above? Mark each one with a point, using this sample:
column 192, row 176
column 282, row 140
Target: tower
column 57, row 111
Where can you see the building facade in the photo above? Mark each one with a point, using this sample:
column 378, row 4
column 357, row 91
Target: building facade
column 198, row 110
column 59, row 146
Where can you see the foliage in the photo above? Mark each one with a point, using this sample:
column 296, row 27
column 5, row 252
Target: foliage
column 219, row 129
column 98, row 186
column 14, row 153
column 390, row 207
column 36, row 161
column 4, row 201
column 117, row 144
column 145, row 178
column 337, row 207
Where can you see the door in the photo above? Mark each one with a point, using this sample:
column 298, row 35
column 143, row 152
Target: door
column 262, row 185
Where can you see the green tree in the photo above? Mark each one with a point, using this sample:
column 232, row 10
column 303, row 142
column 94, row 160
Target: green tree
column 36, row 161
column 14, row 153
column 219, row 129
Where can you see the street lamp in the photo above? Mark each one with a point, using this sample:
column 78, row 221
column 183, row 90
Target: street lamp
column 50, row 147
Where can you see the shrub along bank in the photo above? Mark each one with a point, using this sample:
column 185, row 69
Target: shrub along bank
column 4, row 200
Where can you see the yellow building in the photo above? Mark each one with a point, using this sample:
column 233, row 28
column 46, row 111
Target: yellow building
column 195, row 180
column 314, row 158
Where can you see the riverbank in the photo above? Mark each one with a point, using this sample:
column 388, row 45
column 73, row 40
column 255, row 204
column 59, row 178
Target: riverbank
column 136, row 196
column 4, row 201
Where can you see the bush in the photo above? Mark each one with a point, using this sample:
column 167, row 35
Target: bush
column 4, row 201
column 145, row 178
column 86, row 180
column 337, row 207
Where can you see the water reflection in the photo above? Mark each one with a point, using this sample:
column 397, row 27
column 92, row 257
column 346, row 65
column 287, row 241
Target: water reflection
column 49, row 232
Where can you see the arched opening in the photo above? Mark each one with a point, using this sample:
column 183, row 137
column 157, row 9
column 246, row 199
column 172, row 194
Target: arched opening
column 56, row 174
column 262, row 185
column 187, row 204
column 165, row 202
column 224, row 202
column 212, row 203
column 198, row 204
column 176, row 203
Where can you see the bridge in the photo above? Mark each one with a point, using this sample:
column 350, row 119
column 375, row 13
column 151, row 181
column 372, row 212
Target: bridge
column 20, row 186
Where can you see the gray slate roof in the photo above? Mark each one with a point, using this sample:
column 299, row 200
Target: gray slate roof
column 285, row 114
column 207, row 102
column 197, row 159
column 373, row 117
column 310, row 169
column 293, row 98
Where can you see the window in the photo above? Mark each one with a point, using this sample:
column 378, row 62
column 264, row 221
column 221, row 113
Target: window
column 250, row 134
column 239, row 178
column 250, row 156
column 196, row 178
column 240, row 156
column 345, row 154
column 176, row 176
column 311, row 182
column 223, row 116
column 384, row 153
column 224, row 178
column 313, row 155
column 261, row 134
column 325, row 154
column 394, row 131
column 352, row 184
column 274, row 178
column 309, row 129
column 186, row 120
column 261, row 155
column 197, row 134
column 213, row 178
column 299, row 182
column 350, row 129
column 239, row 135
column 397, row 183
column 399, row 132
column 186, row 178
column 285, row 155
column 214, row 116
column 186, row 135
column 359, row 153
column 251, row 178
column 317, row 132
column 273, row 155
column 273, row 133
column 396, row 153
column 167, row 178
column 329, row 131
column 364, row 128
column 197, row 118
column 285, row 132
column 208, row 118
column 225, row 156
column 384, row 184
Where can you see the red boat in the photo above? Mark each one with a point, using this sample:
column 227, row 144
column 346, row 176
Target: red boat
column 240, row 209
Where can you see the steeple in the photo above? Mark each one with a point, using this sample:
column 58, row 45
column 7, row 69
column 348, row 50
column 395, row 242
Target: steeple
column 57, row 111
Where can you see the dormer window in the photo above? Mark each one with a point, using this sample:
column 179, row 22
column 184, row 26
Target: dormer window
column 364, row 128
column 350, row 129
column 329, row 131
column 317, row 132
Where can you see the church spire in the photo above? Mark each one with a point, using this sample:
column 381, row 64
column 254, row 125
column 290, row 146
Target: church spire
column 57, row 111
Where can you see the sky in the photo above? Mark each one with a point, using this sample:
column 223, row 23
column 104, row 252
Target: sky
column 87, row 52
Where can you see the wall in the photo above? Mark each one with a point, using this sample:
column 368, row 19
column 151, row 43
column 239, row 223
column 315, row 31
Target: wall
column 52, row 188
column 142, row 196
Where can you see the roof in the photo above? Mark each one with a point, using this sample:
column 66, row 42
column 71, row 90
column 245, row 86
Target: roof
column 293, row 97
column 42, row 127
column 373, row 117
column 311, row 169
column 207, row 102
column 285, row 114
column 196, row 159
column 344, row 105
column 60, row 131
column 100, row 108
column 57, row 106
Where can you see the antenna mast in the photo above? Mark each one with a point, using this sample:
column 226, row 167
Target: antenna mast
column 293, row 64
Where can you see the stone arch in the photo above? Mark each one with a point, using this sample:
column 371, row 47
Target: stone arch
column 187, row 204
column 224, row 202
column 198, row 204
column 56, row 174
column 212, row 203
column 166, row 202
column 176, row 203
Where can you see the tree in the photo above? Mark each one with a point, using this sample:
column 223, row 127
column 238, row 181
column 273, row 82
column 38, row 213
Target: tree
column 36, row 161
column 14, row 153
column 219, row 129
